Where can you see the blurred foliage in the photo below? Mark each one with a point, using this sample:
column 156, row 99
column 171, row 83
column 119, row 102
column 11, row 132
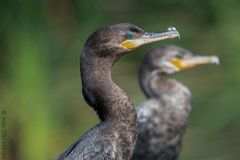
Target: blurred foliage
column 40, row 42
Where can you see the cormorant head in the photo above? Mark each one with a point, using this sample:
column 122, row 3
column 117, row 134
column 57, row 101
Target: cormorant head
column 168, row 59
column 114, row 40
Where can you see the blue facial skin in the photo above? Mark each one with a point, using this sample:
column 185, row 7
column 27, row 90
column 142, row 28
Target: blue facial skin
column 129, row 36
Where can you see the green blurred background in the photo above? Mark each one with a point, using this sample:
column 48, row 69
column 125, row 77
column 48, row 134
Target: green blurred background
column 40, row 43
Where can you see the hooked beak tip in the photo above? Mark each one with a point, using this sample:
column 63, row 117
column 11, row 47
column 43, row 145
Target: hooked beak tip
column 179, row 36
column 215, row 60
column 173, row 29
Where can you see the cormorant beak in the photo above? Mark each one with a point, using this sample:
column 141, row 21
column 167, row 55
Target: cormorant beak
column 194, row 61
column 150, row 37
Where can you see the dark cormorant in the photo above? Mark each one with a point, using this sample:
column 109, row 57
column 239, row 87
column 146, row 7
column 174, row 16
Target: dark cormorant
column 114, row 137
column 163, row 117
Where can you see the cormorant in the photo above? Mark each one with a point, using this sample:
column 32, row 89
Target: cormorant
column 163, row 116
column 114, row 137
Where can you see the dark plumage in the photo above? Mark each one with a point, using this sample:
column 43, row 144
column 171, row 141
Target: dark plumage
column 115, row 136
column 163, row 116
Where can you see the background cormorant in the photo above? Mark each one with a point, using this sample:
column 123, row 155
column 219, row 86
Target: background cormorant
column 114, row 137
column 163, row 117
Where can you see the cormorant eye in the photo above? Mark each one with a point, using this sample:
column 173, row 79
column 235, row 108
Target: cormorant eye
column 129, row 36
column 178, row 55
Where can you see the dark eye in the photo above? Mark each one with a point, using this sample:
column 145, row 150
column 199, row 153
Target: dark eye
column 129, row 36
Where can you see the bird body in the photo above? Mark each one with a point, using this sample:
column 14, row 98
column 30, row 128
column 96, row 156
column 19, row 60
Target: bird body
column 114, row 138
column 164, row 115
column 163, row 123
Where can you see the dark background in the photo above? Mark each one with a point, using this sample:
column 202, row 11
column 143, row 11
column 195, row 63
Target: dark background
column 40, row 43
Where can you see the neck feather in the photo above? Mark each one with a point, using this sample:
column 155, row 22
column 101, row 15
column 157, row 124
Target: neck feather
column 110, row 102
column 155, row 84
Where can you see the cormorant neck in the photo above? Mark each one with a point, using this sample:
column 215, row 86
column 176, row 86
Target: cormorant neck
column 110, row 102
column 156, row 84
